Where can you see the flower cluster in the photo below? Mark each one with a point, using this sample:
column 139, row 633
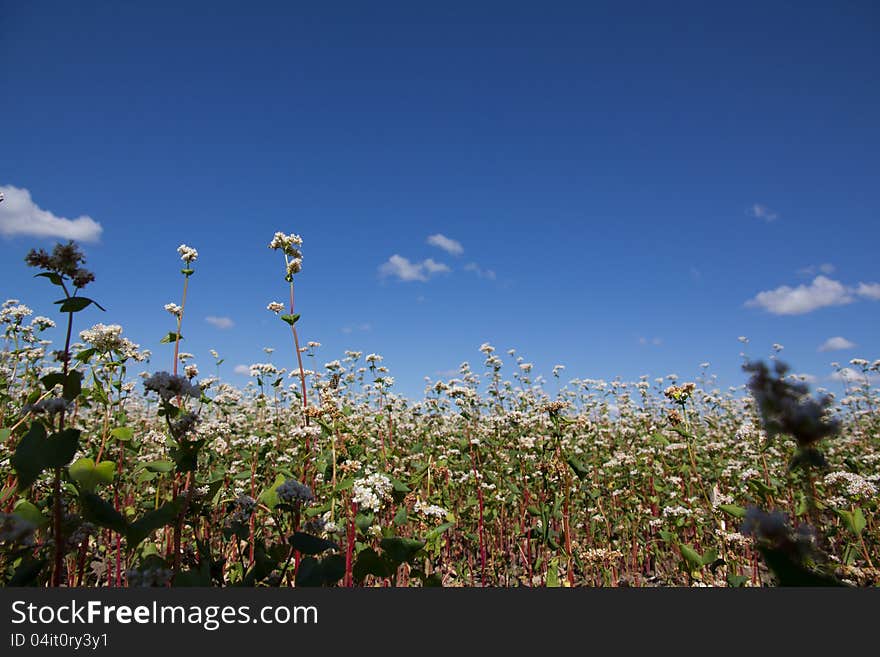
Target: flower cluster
column 371, row 492
column 64, row 261
column 290, row 246
column 294, row 492
column 171, row 385
column 187, row 253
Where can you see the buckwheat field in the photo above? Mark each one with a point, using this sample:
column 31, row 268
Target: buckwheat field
column 123, row 466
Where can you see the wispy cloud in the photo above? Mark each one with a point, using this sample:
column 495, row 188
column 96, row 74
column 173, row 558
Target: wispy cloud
column 242, row 369
column 812, row 270
column 451, row 246
column 850, row 375
column 821, row 293
column 836, row 344
column 479, row 271
column 761, row 211
column 869, row 291
column 19, row 215
column 653, row 341
column 360, row 327
column 404, row 270
column 221, row 323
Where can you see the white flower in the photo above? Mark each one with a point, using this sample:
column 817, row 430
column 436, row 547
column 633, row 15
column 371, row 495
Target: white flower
column 286, row 243
column 276, row 307
column 187, row 253
column 371, row 492
column 430, row 510
column 174, row 309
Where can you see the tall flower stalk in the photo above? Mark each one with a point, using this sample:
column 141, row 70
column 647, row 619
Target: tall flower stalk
column 289, row 245
column 61, row 268
column 188, row 255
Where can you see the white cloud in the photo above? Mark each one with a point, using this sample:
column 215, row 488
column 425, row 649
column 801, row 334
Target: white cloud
column 785, row 300
column 242, row 369
column 821, row 293
column 220, row 322
column 19, row 215
column 433, row 267
column 654, row 341
column 760, row 211
column 836, row 343
column 404, row 270
column 479, row 271
column 451, row 246
column 869, row 291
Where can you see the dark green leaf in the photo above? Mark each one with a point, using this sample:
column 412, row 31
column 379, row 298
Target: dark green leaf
column 370, row 563
column 153, row 520
column 60, row 448
column 102, row 513
column 28, row 459
column 401, row 550
column 308, row 544
column 170, row 337
column 52, row 276
column 72, row 385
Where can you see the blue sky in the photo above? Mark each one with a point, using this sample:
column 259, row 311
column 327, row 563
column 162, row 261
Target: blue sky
column 622, row 178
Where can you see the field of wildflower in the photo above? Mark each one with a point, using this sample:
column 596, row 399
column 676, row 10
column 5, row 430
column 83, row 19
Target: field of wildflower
column 328, row 478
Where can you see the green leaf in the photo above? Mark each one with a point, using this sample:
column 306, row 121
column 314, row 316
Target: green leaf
column 160, row 466
column 709, row 556
column 269, row 497
column 53, row 379
column 370, row 563
column 52, row 276
column 88, row 475
column 553, row 573
column 29, row 511
column 186, row 454
column 693, row 558
column 102, row 513
column 122, row 433
column 854, row 520
column 170, row 337
column 27, row 572
column 72, row 385
column 76, row 304
column 733, row 510
column 579, row 468
column 85, row 355
column 309, row 573
column 28, row 458
column 308, row 544
column 399, row 549
column 60, row 448
column 363, row 521
column 153, row 520
column 438, row 531
column 290, row 319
